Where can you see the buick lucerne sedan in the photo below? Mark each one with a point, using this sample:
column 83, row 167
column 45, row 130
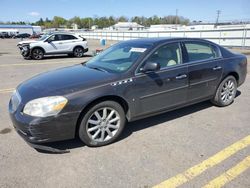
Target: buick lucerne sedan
column 129, row 81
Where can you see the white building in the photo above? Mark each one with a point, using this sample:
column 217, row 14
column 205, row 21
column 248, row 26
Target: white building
column 18, row 29
column 128, row 26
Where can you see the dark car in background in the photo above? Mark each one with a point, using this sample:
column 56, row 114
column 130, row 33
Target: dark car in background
column 4, row 35
column 129, row 81
column 22, row 35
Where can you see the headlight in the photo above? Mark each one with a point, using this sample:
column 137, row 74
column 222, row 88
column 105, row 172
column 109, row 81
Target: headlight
column 46, row 106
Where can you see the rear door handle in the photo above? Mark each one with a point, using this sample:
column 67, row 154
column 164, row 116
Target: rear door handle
column 181, row 77
column 216, row 68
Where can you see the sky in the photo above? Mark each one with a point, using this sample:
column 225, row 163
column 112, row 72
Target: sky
column 33, row 10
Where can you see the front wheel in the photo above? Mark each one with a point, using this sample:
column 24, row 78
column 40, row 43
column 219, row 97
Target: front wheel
column 37, row 54
column 226, row 92
column 102, row 124
column 78, row 52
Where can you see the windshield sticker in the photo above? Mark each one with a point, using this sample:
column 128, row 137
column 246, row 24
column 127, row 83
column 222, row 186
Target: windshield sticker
column 141, row 50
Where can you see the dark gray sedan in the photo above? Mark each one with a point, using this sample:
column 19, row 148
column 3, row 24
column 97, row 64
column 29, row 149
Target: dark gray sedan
column 128, row 81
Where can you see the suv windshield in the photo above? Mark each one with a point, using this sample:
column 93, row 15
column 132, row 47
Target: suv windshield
column 43, row 37
column 118, row 58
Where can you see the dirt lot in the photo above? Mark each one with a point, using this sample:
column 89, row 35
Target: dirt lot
column 191, row 147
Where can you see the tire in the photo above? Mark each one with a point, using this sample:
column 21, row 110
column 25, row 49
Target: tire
column 37, row 54
column 226, row 92
column 78, row 52
column 96, row 128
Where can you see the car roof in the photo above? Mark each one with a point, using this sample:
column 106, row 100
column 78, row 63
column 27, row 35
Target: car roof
column 59, row 33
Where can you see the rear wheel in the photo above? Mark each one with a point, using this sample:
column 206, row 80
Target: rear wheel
column 78, row 52
column 37, row 54
column 226, row 92
column 102, row 124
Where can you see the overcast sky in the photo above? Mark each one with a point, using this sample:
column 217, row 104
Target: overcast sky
column 32, row 10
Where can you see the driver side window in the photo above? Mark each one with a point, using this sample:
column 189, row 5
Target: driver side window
column 52, row 38
column 167, row 55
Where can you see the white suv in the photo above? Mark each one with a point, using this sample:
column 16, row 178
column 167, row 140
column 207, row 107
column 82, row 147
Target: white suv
column 56, row 43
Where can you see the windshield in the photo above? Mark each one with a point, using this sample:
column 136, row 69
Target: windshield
column 43, row 37
column 118, row 58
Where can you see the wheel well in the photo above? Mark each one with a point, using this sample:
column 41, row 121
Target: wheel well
column 114, row 98
column 37, row 47
column 235, row 75
column 77, row 47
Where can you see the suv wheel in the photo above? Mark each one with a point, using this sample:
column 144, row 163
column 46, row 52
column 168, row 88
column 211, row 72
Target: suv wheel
column 226, row 92
column 102, row 124
column 78, row 52
column 37, row 53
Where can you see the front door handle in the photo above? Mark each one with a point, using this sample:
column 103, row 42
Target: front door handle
column 216, row 68
column 181, row 77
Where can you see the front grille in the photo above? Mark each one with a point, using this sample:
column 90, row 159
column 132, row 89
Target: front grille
column 15, row 101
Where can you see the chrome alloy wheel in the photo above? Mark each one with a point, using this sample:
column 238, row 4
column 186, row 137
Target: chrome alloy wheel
column 228, row 91
column 103, row 124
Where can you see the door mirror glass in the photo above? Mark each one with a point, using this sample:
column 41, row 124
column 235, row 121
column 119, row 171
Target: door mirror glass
column 150, row 67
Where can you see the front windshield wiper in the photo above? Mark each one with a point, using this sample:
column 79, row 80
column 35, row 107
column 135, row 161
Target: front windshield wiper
column 96, row 68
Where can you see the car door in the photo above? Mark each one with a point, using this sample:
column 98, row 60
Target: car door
column 67, row 43
column 60, row 43
column 204, row 69
column 163, row 89
column 51, row 45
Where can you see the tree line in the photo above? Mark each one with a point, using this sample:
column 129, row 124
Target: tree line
column 103, row 22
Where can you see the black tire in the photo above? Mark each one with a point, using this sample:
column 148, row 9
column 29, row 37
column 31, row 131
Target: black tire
column 226, row 92
column 78, row 51
column 87, row 136
column 37, row 54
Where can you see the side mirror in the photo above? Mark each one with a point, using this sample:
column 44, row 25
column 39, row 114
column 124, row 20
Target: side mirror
column 150, row 67
column 49, row 40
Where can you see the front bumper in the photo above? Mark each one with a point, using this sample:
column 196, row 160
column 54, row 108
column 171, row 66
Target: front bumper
column 24, row 50
column 44, row 130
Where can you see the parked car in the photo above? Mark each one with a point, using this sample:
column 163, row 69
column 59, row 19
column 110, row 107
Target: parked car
column 129, row 81
column 22, row 35
column 35, row 36
column 56, row 43
column 4, row 35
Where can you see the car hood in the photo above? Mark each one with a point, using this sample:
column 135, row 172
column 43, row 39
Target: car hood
column 63, row 81
column 27, row 42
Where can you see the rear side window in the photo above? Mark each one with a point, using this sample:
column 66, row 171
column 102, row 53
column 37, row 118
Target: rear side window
column 68, row 37
column 198, row 51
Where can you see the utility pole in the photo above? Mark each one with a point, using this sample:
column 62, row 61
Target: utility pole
column 176, row 14
column 218, row 16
